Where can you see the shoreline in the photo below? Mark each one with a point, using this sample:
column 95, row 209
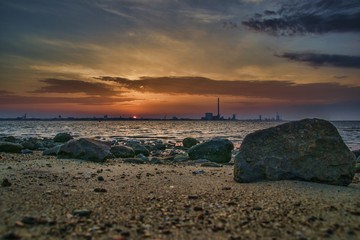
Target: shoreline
column 165, row 202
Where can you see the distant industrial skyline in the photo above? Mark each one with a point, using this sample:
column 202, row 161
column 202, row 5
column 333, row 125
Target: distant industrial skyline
column 159, row 58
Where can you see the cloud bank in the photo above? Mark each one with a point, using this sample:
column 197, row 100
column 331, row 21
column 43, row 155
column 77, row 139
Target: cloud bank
column 277, row 90
column 298, row 17
column 329, row 60
column 75, row 86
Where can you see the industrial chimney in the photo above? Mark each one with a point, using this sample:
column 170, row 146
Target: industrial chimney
column 218, row 115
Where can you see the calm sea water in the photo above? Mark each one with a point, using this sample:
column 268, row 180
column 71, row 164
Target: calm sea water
column 166, row 130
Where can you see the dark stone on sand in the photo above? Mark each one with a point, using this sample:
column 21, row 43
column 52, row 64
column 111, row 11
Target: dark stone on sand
column 100, row 190
column 215, row 150
column 85, row 149
column 196, row 172
column 26, row 151
column 5, row 183
column 11, row 236
column 122, row 151
column 308, row 150
column 189, row 142
column 10, row 147
column 29, row 220
column 62, row 137
column 100, row 178
column 81, row 212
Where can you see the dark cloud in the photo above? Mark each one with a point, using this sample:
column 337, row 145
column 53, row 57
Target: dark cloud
column 318, row 60
column 277, row 90
column 4, row 92
column 341, row 77
column 75, row 86
column 25, row 100
column 300, row 17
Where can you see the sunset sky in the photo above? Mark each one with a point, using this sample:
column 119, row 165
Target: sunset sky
column 156, row 58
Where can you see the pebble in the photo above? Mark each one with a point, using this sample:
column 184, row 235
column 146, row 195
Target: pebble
column 100, row 178
column 81, row 212
column 26, row 151
column 29, row 220
column 198, row 172
column 5, row 183
column 193, row 197
column 100, row 190
column 11, row 236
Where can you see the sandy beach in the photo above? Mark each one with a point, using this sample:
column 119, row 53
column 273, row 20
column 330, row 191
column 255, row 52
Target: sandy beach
column 50, row 198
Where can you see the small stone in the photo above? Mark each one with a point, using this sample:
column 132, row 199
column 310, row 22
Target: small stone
column 193, row 197
column 5, row 183
column 26, row 151
column 198, row 208
column 100, row 190
column 100, row 178
column 29, row 220
column 11, row 236
column 81, row 212
column 198, row 172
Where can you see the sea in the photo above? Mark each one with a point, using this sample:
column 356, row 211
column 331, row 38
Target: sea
column 167, row 131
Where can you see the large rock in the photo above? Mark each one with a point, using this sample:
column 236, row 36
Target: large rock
column 215, row 150
column 10, row 147
column 189, row 142
column 86, row 149
column 309, row 150
column 122, row 152
column 62, row 137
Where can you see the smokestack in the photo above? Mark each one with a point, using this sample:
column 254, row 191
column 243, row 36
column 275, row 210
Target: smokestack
column 218, row 115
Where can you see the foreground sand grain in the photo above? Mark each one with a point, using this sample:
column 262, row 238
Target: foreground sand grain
column 165, row 202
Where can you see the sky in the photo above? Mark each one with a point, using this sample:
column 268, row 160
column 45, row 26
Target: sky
column 164, row 58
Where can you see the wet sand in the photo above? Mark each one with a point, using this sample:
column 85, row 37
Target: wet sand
column 71, row 199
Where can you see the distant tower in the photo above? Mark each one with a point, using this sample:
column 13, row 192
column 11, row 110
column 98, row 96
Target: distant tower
column 218, row 115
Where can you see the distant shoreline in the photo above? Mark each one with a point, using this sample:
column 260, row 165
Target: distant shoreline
column 137, row 119
column 153, row 119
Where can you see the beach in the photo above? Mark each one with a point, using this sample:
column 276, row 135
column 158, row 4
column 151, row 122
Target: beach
column 49, row 198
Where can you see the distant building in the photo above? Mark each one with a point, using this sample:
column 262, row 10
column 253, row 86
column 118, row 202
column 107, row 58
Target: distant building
column 233, row 117
column 208, row 116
